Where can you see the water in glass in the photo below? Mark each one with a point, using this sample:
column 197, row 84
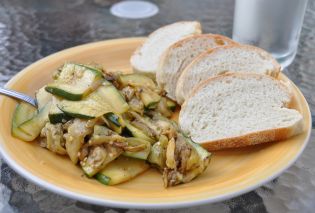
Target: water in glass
column 273, row 25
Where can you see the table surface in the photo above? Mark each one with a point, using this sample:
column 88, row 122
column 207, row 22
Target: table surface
column 33, row 29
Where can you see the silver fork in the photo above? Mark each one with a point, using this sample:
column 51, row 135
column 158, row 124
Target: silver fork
column 19, row 96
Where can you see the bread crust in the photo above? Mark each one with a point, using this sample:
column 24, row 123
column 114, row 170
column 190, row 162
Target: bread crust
column 136, row 52
column 254, row 138
column 271, row 135
column 219, row 39
column 180, row 96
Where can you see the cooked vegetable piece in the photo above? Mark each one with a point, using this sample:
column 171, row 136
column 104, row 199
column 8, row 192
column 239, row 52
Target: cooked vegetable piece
column 98, row 158
column 170, row 154
column 115, row 122
column 34, row 126
column 54, row 138
column 55, row 114
column 112, row 96
column 145, row 124
column 192, row 158
column 171, row 104
column 137, row 133
column 42, row 97
column 75, row 81
column 136, row 105
column 158, row 153
column 103, row 135
column 115, row 119
column 135, row 142
column 128, row 92
column 163, row 108
column 136, row 80
column 115, row 140
column 121, row 170
column 22, row 113
column 102, row 130
column 77, row 131
column 149, row 98
column 92, row 106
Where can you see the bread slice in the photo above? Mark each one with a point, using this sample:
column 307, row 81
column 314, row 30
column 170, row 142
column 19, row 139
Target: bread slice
column 147, row 57
column 239, row 109
column 180, row 54
column 236, row 58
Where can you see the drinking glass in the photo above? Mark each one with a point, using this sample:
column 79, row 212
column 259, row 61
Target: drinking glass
column 273, row 25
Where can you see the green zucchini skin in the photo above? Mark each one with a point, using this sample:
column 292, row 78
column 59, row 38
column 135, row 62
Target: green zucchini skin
column 76, row 115
column 121, row 170
column 34, row 126
column 59, row 118
column 23, row 112
column 150, row 99
column 63, row 93
column 102, row 178
column 94, row 105
column 75, row 82
column 171, row 105
column 113, row 118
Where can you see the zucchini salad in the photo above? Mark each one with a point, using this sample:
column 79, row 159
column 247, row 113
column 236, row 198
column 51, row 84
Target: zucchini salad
column 114, row 126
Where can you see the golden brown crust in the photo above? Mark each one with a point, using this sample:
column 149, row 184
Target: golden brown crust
column 259, row 137
column 274, row 73
column 219, row 39
column 198, row 30
column 254, row 138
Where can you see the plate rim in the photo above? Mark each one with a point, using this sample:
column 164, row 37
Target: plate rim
column 125, row 204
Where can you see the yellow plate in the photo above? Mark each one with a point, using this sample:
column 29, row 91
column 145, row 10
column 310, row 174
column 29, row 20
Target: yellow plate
column 229, row 174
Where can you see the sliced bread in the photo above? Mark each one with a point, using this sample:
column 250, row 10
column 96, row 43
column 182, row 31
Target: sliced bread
column 239, row 109
column 236, row 58
column 147, row 57
column 180, row 54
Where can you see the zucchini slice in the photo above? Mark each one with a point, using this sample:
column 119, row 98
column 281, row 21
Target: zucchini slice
column 158, row 153
column 150, row 99
column 42, row 97
column 92, row 106
column 22, row 113
column 109, row 92
column 115, row 122
column 143, row 154
column 75, row 138
column 136, row 80
column 121, row 170
column 137, row 133
column 75, row 81
column 105, row 154
column 34, row 126
column 55, row 114
column 102, row 130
